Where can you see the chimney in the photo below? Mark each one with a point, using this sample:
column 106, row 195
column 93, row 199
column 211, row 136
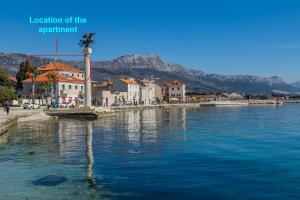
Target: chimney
column 46, row 63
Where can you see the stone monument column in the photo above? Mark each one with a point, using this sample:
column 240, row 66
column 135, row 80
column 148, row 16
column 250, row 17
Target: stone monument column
column 87, row 77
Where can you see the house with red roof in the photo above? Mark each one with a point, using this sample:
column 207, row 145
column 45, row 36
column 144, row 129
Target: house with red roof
column 174, row 91
column 128, row 86
column 66, row 82
column 102, row 95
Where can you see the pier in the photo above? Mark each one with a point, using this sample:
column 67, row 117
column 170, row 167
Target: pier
column 85, row 113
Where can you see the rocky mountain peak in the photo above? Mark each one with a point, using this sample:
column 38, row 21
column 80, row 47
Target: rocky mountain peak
column 275, row 80
column 147, row 61
column 140, row 60
column 148, row 65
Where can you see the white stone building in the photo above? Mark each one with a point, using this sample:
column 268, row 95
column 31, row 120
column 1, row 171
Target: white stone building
column 128, row 86
column 158, row 93
column 67, row 86
column 174, row 91
column 102, row 95
column 147, row 92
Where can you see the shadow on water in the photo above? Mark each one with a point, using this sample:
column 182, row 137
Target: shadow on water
column 51, row 180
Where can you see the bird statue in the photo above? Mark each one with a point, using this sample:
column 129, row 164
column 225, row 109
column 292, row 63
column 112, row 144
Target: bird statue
column 87, row 40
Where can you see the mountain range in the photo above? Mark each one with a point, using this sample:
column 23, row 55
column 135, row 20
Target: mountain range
column 149, row 65
column 296, row 84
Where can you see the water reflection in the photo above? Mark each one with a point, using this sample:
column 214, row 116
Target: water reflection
column 75, row 137
column 149, row 126
column 175, row 117
column 141, row 127
column 89, row 154
column 134, row 127
column 157, row 154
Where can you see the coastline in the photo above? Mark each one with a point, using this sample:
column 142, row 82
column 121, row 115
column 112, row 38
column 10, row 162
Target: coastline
column 19, row 115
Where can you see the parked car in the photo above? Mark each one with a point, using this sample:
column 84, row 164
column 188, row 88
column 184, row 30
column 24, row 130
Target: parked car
column 28, row 105
column 115, row 104
column 64, row 105
column 128, row 103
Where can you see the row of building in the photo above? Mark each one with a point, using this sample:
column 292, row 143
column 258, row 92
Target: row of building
column 66, row 84
column 129, row 91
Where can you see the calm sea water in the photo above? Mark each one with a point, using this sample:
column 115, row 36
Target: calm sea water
column 178, row 153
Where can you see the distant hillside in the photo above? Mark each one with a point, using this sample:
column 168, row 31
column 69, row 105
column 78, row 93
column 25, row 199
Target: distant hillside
column 145, row 66
column 296, row 84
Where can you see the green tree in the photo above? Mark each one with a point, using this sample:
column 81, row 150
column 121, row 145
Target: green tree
column 22, row 74
column 6, row 93
column 4, row 81
column 52, row 79
column 44, row 88
column 33, row 74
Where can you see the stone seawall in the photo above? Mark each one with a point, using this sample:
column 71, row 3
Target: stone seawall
column 5, row 124
column 15, row 115
column 142, row 107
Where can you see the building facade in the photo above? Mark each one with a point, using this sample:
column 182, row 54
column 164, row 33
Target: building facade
column 128, row 86
column 174, row 91
column 147, row 92
column 65, row 83
column 158, row 93
column 102, row 95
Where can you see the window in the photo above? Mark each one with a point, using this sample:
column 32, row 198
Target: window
column 178, row 88
column 81, row 88
column 72, row 74
column 70, row 87
column 63, row 87
column 78, row 75
column 76, row 87
column 172, row 88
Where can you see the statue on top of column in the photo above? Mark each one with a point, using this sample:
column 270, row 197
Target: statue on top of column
column 87, row 40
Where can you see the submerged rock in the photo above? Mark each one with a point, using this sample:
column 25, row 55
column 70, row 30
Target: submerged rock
column 51, row 180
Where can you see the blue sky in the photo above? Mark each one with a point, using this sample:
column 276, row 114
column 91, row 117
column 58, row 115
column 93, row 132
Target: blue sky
column 259, row 37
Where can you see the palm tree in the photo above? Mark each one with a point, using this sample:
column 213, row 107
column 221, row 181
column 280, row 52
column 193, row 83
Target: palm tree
column 33, row 75
column 52, row 78
column 44, row 87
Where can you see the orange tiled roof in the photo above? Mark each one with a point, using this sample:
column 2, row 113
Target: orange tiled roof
column 43, row 78
column 103, row 84
column 128, row 81
column 173, row 83
column 54, row 66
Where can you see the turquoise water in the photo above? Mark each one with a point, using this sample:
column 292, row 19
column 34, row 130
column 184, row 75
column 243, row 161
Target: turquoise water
column 186, row 153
